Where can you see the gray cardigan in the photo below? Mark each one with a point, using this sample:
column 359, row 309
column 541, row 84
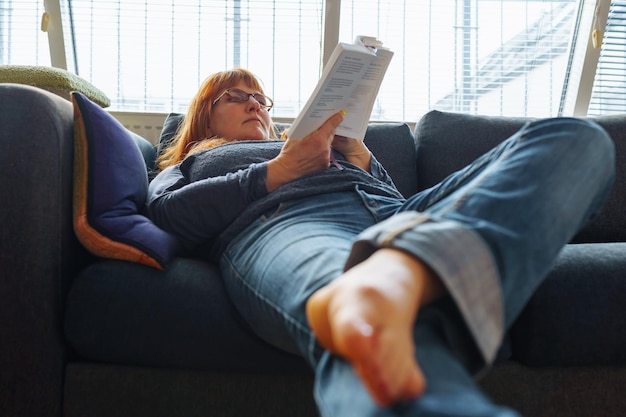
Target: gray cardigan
column 214, row 194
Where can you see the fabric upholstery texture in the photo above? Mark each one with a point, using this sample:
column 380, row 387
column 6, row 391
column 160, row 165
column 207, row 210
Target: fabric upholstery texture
column 56, row 80
column 126, row 313
column 110, row 186
column 566, row 321
column 36, row 245
column 170, row 126
column 448, row 141
column 180, row 393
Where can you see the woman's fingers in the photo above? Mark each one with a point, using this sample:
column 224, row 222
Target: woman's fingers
column 327, row 129
column 300, row 157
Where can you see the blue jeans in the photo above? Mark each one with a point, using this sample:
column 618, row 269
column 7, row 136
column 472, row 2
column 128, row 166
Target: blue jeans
column 490, row 231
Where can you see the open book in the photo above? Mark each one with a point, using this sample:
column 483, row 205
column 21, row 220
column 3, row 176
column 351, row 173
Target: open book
column 350, row 81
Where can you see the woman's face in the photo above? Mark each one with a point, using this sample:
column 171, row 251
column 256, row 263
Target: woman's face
column 245, row 120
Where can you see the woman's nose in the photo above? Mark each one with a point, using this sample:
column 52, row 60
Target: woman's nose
column 253, row 104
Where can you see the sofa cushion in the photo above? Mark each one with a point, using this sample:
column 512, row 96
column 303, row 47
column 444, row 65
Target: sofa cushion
column 170, row 127
column 610, row 225
column 449, row 141
column 393, row 145
column 110, row 186
column 576, row 317
column 181, row 317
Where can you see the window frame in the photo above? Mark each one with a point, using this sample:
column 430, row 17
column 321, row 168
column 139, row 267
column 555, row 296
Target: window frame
column 580, row 91
column 54, row 29
column 583, row 89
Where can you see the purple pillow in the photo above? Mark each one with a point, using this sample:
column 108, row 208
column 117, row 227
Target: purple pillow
column 110, row 186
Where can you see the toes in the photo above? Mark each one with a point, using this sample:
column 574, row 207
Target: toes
column 371, row 378
column 390, row 375
column 413, row 387
column 385, row 390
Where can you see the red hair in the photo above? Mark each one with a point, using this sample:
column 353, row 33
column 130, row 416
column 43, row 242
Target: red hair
column 194, row 132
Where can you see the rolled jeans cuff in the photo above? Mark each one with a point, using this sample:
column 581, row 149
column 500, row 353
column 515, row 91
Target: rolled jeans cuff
column 459, row 257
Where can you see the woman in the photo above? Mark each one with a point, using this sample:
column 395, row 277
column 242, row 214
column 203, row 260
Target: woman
column 395, row 303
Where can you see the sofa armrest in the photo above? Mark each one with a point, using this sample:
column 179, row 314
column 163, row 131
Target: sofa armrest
column 38, row 250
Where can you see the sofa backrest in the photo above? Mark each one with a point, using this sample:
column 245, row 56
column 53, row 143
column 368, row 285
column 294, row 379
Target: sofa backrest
column 448, row 141
column 393, row 144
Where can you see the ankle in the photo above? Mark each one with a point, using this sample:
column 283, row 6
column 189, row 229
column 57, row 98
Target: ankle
column 419, row 277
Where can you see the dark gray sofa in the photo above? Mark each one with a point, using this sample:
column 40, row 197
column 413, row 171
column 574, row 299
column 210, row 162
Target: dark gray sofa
column 84, row 336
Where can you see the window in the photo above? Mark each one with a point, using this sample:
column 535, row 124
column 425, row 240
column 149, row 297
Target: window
column 21, row 40
column 151, row 55
column 609, row 87
column 499, row 57
column 502, row 57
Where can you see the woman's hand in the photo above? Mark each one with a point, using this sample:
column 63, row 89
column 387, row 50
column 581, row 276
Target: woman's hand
column 300, row 157
column 354, row 151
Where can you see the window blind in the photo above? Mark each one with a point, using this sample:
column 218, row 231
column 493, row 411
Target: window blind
column 500, row 57
column 21, row 40
column 151, row 55
column 609, row 88
column 503, row 57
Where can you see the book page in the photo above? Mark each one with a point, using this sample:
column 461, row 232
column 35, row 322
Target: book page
column 361, row 101
column 350, row 82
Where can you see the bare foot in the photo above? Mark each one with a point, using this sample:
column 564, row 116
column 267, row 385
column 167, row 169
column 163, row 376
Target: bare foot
column 367, row 315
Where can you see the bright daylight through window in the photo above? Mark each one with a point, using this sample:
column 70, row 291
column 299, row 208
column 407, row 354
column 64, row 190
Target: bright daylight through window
column 499, row 57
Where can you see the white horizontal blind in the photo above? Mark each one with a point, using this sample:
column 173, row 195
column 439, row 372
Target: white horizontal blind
column 609, row 88
column 503, row 57
column 151, row 55
column 21, row 40
column 500, row 57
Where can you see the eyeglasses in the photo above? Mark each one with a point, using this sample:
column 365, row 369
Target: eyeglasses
column 236, row 95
